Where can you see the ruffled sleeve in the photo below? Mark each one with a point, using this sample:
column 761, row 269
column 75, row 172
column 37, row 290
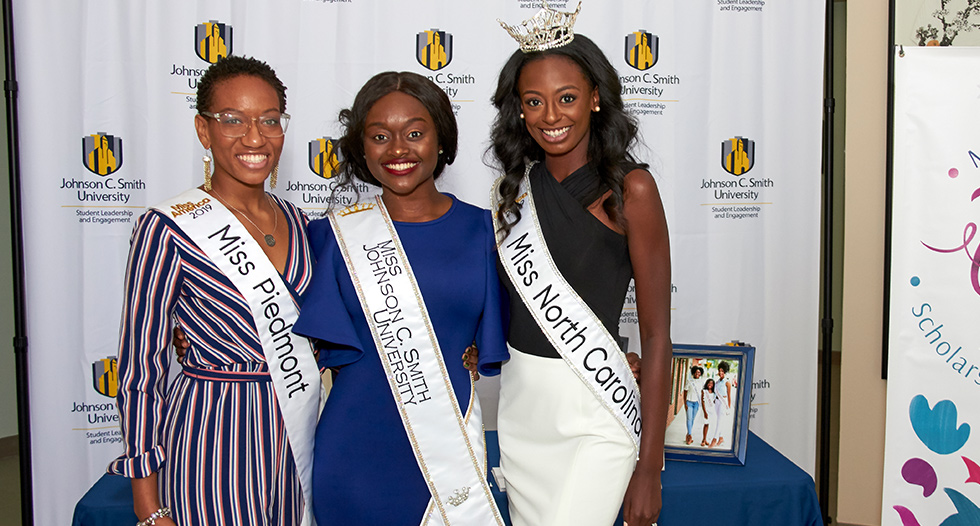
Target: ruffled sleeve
column 325, row 317
column 152, row 285
column 491, row 339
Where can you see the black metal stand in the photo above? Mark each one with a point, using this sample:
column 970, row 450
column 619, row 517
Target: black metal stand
column 827, row 323
column 17, row 250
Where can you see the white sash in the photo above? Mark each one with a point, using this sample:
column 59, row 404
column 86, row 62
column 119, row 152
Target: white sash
column 292, row 367
column 448, row 447
column 563, row 316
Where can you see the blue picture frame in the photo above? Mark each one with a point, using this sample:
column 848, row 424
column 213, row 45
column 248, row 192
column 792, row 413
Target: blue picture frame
column 719, row 431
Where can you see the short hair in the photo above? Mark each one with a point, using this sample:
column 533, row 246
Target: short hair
column 723, row 366
column 696, row 368
column 234, row 66
column 433, row 98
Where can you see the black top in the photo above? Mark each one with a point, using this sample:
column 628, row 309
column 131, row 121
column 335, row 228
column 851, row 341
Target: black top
column 593, row 259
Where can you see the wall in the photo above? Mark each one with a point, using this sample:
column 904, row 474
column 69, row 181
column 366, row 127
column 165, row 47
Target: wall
column 862, row 417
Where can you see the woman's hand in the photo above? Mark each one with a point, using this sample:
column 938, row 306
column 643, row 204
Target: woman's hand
column 471, row 358
column 642, row 504
column 180, row 344
column 635, row 362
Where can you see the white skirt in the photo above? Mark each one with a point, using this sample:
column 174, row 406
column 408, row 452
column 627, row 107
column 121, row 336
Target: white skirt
column 565, row 458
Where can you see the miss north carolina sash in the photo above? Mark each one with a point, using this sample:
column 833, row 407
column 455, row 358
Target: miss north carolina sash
column 448, row 447
column 563, row 316
column 290, row 357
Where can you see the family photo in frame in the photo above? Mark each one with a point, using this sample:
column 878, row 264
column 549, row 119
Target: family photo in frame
column 709, row 403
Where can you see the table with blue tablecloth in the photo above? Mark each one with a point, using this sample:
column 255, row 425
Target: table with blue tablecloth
column 768, row 490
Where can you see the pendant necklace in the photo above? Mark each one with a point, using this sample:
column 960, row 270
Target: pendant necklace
column 270, row 240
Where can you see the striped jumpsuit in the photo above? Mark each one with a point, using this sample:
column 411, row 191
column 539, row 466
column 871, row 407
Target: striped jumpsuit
column 216, row 436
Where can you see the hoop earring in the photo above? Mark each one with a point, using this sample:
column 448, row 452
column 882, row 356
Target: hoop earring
column 275, row 176
column 207, row 169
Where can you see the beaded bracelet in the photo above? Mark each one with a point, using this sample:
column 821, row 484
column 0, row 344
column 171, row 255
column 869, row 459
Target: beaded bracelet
column 152, row 519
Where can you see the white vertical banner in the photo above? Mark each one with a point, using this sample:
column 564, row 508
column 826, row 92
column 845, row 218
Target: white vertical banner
column 727, row 93
column 730, row 105
column 931, row 454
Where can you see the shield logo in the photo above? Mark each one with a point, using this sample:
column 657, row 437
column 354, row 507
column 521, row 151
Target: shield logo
column 212, row 41
column 324, row 157
column 642, row 49
column 737, row 155
column 434, row 49
column 105, row 377
column 102, row 153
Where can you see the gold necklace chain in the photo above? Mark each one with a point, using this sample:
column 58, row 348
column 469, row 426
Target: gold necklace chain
column 269, row 238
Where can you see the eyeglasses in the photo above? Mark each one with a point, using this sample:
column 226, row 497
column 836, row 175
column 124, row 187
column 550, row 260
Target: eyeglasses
column 233, row 124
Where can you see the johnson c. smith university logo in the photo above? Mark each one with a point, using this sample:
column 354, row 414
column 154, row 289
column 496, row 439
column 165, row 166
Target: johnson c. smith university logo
column 434, row 49
column 212, row 41
column 737, row 155
column 324, row 158
column 105, row 377
column 642, row 49
column 102, row 154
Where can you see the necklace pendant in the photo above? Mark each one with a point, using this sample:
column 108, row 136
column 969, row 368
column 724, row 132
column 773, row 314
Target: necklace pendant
column 269, row 240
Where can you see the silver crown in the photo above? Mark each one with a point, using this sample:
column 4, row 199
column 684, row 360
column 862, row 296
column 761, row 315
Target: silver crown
column 459, row 496
column 546, row 30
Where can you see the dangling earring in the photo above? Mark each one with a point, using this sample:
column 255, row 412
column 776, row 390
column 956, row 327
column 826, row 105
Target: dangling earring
column 207, row 170
column 275, row 176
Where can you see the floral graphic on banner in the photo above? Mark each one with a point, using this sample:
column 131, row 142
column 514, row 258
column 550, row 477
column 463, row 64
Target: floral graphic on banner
column 937, row 429
column 969, row 231
column 950, row 23
column 937, row 22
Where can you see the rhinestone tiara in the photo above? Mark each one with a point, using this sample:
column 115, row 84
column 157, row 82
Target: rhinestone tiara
column 547, row 29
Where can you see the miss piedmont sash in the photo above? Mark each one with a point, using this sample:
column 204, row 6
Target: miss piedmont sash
column 294, row 372
column 448, row 448
column 563, row 316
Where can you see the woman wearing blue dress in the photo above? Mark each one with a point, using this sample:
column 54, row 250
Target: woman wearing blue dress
column 399, row 135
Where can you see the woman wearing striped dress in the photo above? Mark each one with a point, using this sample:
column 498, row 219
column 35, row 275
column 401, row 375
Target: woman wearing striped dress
column 212, row 448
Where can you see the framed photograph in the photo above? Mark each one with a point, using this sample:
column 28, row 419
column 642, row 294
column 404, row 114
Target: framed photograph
column 710, row 393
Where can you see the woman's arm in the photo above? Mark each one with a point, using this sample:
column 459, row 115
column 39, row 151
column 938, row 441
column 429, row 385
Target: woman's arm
column 146, row 499
column 649, row 247
column 151, row 288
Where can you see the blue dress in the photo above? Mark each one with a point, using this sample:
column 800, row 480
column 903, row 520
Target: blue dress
column 364, row 470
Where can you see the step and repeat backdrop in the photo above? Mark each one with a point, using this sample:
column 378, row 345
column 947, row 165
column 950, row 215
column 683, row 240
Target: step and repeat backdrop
column 727, row 93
